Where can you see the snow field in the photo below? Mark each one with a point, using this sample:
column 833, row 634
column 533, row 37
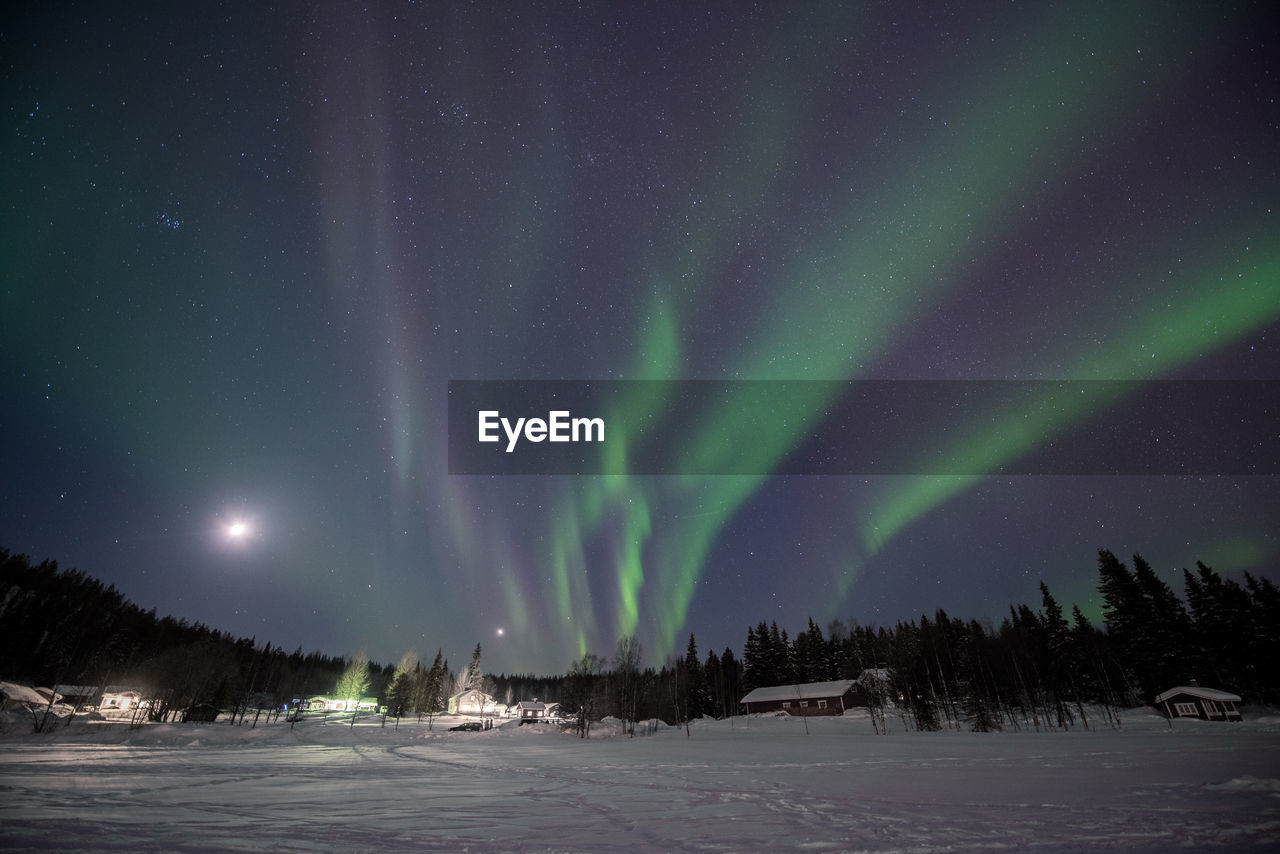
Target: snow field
column 750, row 785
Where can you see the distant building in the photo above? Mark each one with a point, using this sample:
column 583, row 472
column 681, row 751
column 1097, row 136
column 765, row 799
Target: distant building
column 473, row 702
column 1192, row 701
column 200, row 713
column 120, row 698
column 812, row 698
column 531, row 709
column 78, row 695
column 332, row 704
column 14, row 696
column 50, row 695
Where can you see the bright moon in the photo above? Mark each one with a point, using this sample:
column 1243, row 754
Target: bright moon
column 239, row 529
column 500, row 632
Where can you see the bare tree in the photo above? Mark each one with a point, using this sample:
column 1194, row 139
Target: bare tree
column 581, row 691
column 626, row 670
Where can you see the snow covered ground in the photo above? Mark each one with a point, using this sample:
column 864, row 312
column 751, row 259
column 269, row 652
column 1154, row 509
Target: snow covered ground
column 751, row 785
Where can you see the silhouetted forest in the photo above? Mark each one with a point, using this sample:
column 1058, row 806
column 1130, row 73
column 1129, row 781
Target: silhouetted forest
column 64, row 627
column 1036, row 668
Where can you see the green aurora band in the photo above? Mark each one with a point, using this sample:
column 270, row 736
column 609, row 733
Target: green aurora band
column 890, row 258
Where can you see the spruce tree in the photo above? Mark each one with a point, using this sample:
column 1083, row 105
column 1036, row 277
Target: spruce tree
column 475, row 672
column 1165, row 632
column 753, row 674
column 775, row 656
column 696, row 700
column 714, row 675
column 817, row 657
column 431, row 698
column 1061, row 666
column 1124, row 618
column 400, row 693
column 1226, row 629
column 1262, row 652
column 734, row 691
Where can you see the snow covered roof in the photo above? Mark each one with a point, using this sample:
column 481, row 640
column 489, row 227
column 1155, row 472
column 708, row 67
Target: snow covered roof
column 476, row 691
column 1202, row 693
column 531, row 704
column 808, row 691
column 21, row 694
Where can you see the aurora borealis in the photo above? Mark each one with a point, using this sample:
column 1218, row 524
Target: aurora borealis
column 245, row 249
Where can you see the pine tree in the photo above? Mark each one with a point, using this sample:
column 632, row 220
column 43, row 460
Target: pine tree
column 790, row 671
column 776, row 652
column 400, row 693
column 430, row 699
column 1061, row 666
column 1262, row 651
column 1227, row 630
column 817, row 659
column 1166, row 629
column 1123, row 615
column 714, row 675
column 696, row 700
column 731, row 669
column 1122, row 600
column 475, row 673
column 753, row 675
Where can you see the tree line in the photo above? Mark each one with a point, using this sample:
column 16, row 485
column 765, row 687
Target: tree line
column 63, row 627
column 1037, row 668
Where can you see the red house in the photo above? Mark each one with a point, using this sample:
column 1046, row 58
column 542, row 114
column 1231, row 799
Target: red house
column 1192, row 701
column 812, row 698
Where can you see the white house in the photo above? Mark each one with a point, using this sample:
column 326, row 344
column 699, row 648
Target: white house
column 124, row 700
column 473, row 702
column 330, row 704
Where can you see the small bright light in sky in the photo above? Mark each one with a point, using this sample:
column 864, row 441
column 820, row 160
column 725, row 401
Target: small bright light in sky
column 238, row 529
column 501, row 632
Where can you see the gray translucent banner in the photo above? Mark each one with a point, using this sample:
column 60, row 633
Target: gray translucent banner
column 864, row 427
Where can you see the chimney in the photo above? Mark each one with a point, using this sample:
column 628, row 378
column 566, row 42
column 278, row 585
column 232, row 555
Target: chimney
column 1195, row 684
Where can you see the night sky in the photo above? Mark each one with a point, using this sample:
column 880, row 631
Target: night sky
column 245, row 247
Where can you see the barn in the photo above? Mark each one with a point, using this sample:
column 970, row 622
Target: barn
column 1192, row 701
column 811, row 698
